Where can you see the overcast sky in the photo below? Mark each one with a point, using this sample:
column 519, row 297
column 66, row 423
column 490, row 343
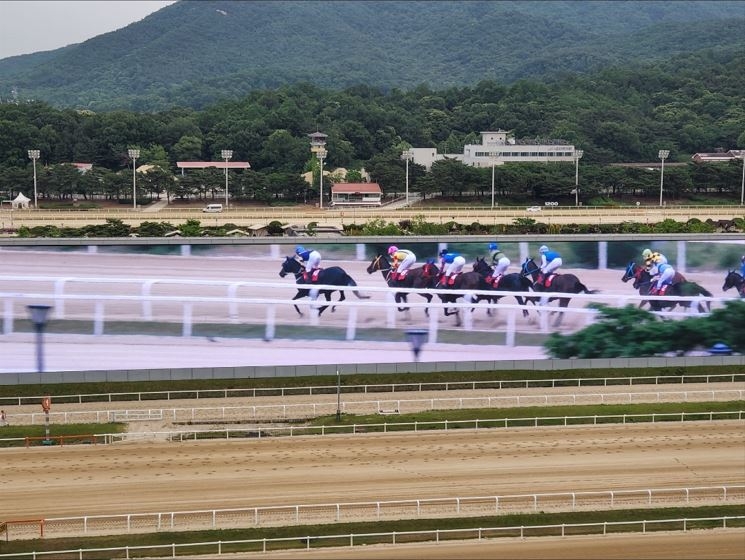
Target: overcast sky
column 33, row 26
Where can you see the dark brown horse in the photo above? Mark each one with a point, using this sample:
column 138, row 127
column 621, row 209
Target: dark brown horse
column 422, row 277
column 561, row 283
column 632, row 269
column 643, row 282
column 513, row 282
column 332, row 276
column 736, row 281
column 462, row 281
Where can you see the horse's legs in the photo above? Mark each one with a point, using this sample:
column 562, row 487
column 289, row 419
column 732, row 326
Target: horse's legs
column 401, row 297
column 299, row 295
column 524, row 302
column 563, row 303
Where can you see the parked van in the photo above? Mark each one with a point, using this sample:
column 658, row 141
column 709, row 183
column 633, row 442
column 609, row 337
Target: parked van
column 212, row 208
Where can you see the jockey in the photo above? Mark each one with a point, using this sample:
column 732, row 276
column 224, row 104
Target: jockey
column 666, row 273
column 653, row 258
column 310, row 257
column 499, row 260
column 450, row 263
column 403, row 260
column 550, row 262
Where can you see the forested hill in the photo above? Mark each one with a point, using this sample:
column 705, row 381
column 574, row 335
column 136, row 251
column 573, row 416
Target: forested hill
column 193, row 53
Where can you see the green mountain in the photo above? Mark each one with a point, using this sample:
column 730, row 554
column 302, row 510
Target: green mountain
column 194, row 53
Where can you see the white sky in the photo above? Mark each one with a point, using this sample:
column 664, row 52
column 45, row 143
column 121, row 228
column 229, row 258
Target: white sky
column 33, row 26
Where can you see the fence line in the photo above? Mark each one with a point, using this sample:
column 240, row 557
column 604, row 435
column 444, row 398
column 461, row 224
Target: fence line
column 399, row 537
column 258, row 392
column 347, row 512
column 401, row 406
column 182, row 307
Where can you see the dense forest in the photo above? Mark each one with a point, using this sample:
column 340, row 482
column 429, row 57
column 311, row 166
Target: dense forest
column 693, row 103
column 195, row 53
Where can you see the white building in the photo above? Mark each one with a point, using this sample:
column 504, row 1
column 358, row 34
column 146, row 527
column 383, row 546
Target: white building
column 500, row 147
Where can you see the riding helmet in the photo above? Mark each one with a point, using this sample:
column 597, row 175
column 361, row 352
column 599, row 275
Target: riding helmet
column 299, row 249
column 646, row 253
column 493, row 246
column 543, row 249
column 392, row 249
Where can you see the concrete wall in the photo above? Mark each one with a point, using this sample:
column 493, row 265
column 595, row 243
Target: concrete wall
column 260, row 372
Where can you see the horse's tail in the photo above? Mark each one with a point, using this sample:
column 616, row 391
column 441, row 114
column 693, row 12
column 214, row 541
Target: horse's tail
column 586, row 290
column 703, row 291
column 351, row 282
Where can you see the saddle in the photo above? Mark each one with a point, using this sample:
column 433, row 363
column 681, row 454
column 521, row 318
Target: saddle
column 493, row 281
column 660, row 292
column 546, row 280
column 313, row 275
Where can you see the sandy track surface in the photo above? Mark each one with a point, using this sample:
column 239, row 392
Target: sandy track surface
column 160, row 477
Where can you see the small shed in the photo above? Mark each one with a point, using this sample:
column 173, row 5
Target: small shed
column 356, row 194
column 21, row 201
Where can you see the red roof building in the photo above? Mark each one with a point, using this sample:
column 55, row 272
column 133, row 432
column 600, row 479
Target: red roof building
column 356, row 194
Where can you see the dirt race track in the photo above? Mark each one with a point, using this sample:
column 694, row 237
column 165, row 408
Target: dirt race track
column 157, row 476
column 161, row 477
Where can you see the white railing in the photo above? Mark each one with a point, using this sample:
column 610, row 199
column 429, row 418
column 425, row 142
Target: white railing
column 180, row 308
column 347, row 512
column 397, row 537
column 417, row 426
column 259, row 392
column 401, row 406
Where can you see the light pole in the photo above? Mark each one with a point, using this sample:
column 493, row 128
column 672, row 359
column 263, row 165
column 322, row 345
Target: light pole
column 38, row 315
column 742, row 185
column 34, row 155
column 407, row 156
column 318, row 147
column 338, row 395
column 662, row 154
column 577, row 156
column 226, row 155
column 417, row 338
column 134, row 154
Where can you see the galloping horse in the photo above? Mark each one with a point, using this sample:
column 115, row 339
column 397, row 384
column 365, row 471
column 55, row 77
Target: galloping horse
column 563, row 283
column 332, row 276
column 736, row 281
column 643, row 283
column 462, row 281
column 421, row 277
column 631, row 271
column 512, row 282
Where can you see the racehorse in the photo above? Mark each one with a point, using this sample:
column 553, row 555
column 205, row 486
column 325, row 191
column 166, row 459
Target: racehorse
column 643, row 282
column 736, row 281
column 512, row 282
column 332, row 276
column 630, row 274
column 563, row 283
column 462, row 281
column 421, row 277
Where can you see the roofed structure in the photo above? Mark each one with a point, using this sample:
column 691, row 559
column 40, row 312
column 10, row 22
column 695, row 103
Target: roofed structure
column 356, row 194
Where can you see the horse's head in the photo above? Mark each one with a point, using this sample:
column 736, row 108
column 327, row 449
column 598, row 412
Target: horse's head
column 289, row 266
column 429, row 269
column 481, row 266
column 630, row 272
column 733, row 280
column 641, row 276
column 529, row 268
column 378, row 263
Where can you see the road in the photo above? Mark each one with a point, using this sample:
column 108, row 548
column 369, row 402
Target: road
column 305, row 215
